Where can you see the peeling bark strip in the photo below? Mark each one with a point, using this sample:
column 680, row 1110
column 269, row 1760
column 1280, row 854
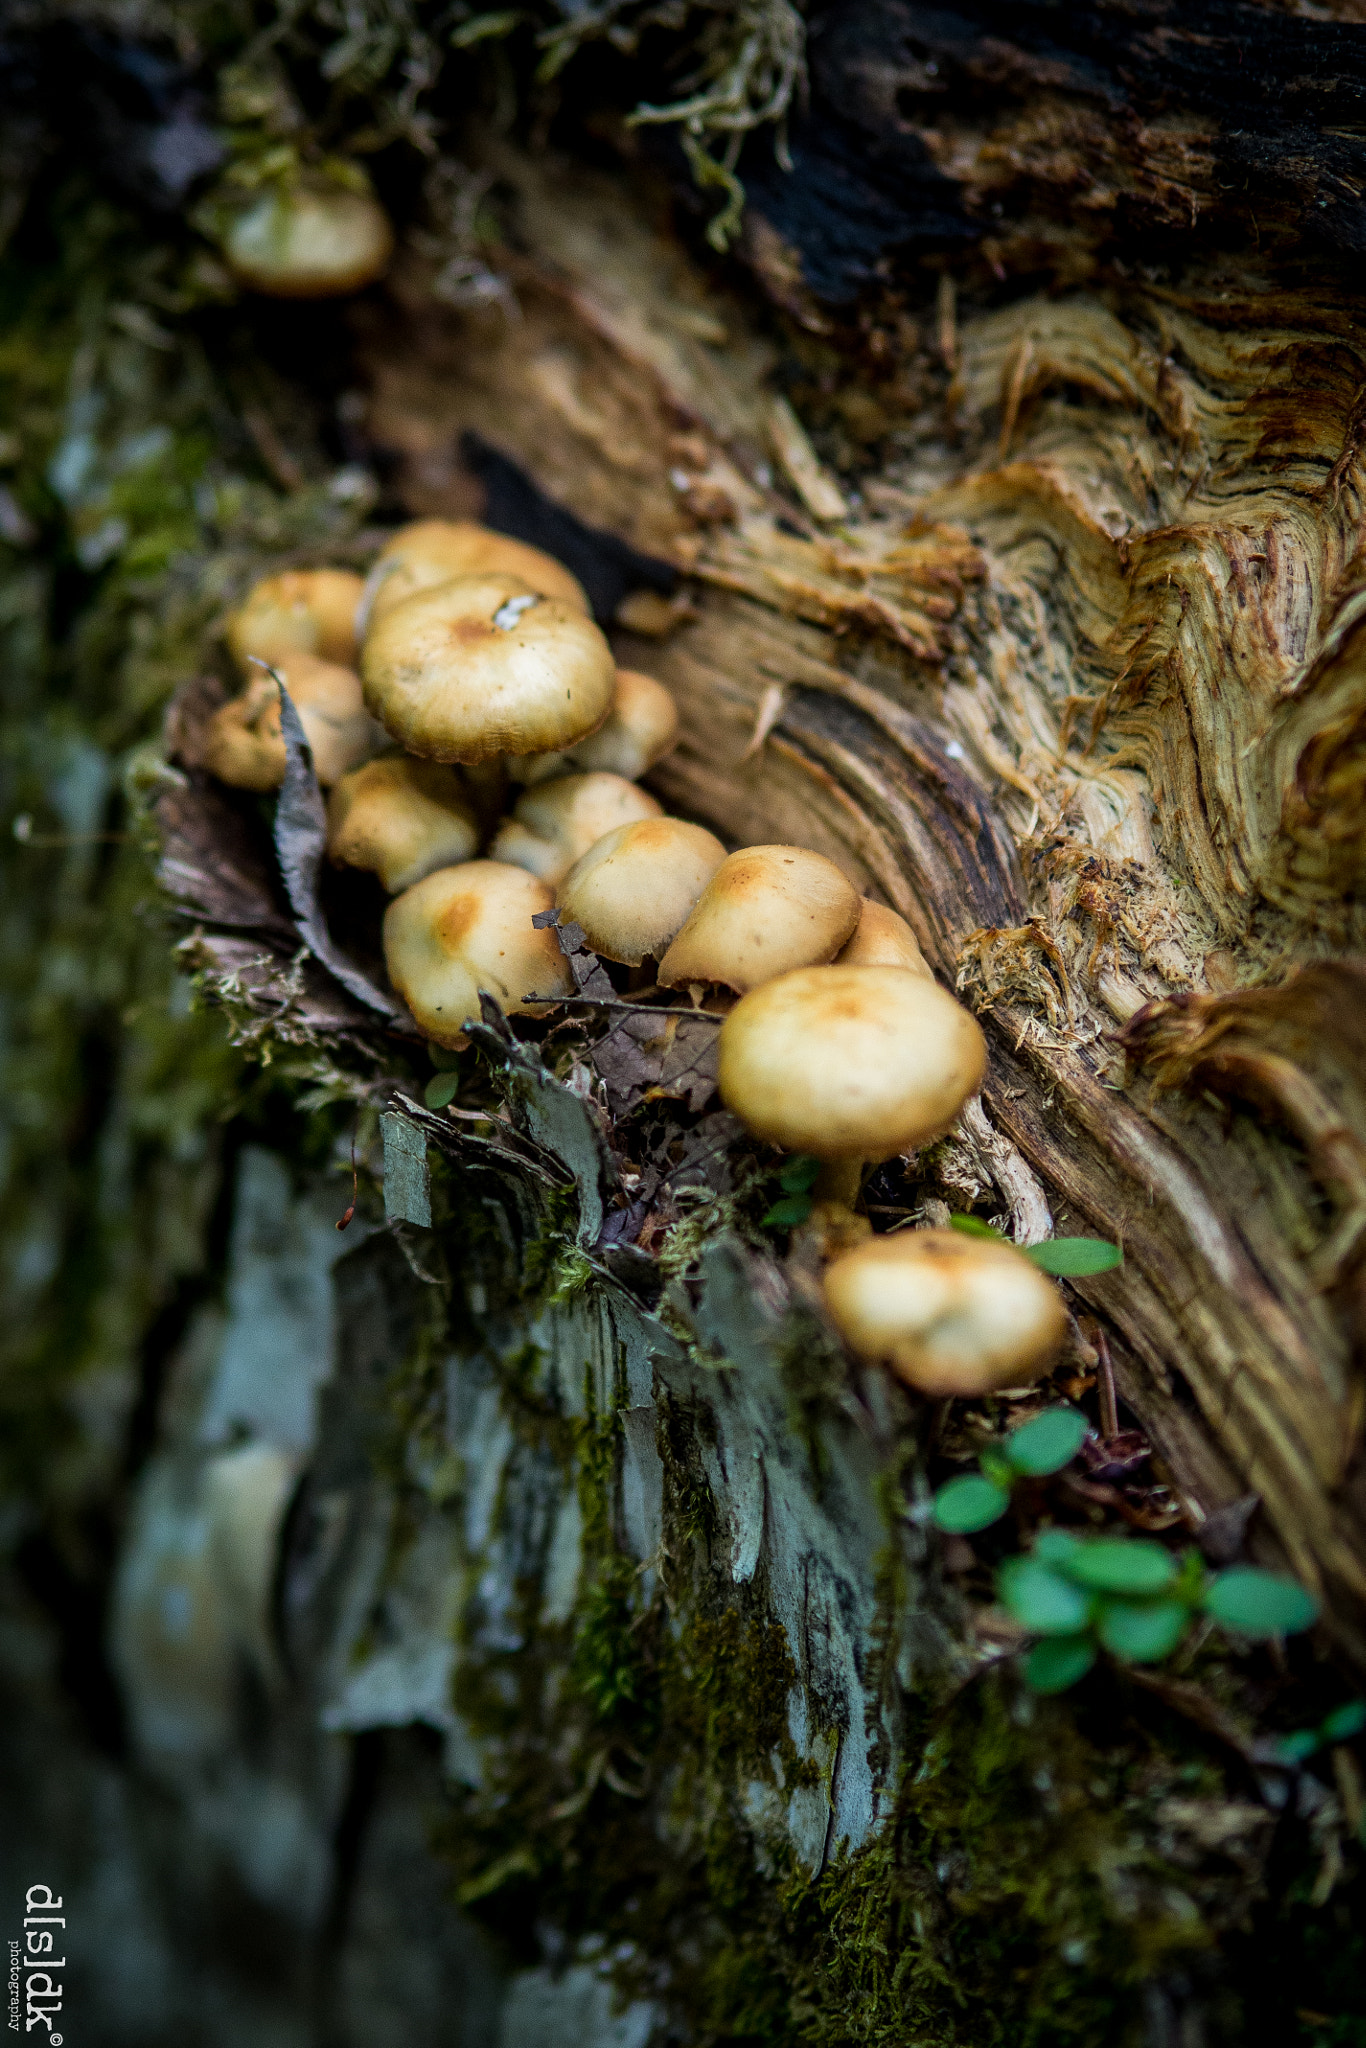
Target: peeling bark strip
column 1025, row 134
column 1084, row 712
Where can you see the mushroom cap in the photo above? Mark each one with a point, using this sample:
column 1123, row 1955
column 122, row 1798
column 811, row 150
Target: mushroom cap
column 484, row 665
column 246, row 746
column 636, row 886
column 302, row 611
column 849, row 1062
column 469, row 928
column 766, row 909
column 882, row 939
column 308, row 241
column 554, row 824
column 431, row 551
column 641, row 727
column 951, row 1315
column 402, row 819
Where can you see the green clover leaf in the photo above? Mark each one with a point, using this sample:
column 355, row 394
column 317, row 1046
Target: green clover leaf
column 1142, row 1631
column 1114, row 1564
column 1047, row 1443
column 1070, row 1258
column 1040, row 1599
column 964, row 1505
column 1258, row 1603
column 1059, row 1661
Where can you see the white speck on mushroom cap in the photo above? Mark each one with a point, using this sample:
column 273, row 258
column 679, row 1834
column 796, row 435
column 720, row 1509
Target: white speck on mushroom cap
column 507, row 615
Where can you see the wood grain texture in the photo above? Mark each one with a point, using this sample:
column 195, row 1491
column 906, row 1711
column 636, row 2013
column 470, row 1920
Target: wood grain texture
column 1073, row 688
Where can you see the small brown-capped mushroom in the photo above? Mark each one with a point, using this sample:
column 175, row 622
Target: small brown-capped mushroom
column 302, row 611
column 882, row 939
column 554, row 824
column 246, row 746
column 312, row 240
column 636, row 886
column 469, row 928
column 951, row 1315
column 849, row 1063
column 484, row 665
column 402, row 819
column 432, row 551
column 767, row 909
column 638, row 731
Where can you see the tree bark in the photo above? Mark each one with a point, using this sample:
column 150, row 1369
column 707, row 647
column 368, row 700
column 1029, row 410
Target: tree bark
column 1070, row 682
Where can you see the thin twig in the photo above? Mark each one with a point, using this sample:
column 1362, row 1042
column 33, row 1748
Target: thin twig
column 1105, row 1391
column 617, row 1003
column 346, row 1216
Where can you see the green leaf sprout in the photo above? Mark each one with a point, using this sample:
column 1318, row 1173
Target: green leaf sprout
column 1139, row 1602
column 967, row 1504
column 1041, row 1599
column 973, row 1226
column 1048, row 1442
column 442, row 1089
column 1259, row 1604
column 796, row 1181
column 1071, row 1258
column 1059, row 1661
column 1115, row 1564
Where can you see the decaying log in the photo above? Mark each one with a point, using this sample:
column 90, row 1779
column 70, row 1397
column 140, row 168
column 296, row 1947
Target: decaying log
column 1071, row 682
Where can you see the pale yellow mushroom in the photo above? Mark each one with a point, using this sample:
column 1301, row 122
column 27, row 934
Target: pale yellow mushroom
column 483, row 665
column 767, row 909
column 951, row 1315
column 469, row 928
column 638, row 731
column 246, row 746
column 431, row 551
column 554, row 824
column 636, row 886
column 302, row 611
column 849, row 1063
column 312, row 240
column 402, row 819
column 882, row 939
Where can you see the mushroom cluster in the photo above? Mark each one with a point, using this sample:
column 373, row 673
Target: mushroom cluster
column 481, row 749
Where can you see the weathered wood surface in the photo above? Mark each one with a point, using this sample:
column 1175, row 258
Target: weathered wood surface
column 1071, row 682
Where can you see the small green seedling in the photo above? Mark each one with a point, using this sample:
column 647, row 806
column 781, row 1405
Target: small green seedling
column 1037, row 1448
column 1081, row 1594
column 442, row 1089
column 1066, row 1258
column 444, row 1085
column 1340, row 1726
column 796, row 1181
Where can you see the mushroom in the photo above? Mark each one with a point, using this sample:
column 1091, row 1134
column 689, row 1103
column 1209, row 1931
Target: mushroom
column 310, row 240
column 882, row 939
column 951, row 1315
column 484, row 665
column 554, row 824
column 641, row 726
column 245, row 746
column 634, row 887
column 766, row 909
column 303, row 611
column 431, row 551
column 849, row 1063
column 402, row 819
column 469, row 928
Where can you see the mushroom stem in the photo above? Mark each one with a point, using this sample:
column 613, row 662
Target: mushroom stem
column 839, row 1180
